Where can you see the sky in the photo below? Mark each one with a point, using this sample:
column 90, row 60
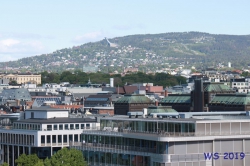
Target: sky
column 29, row 28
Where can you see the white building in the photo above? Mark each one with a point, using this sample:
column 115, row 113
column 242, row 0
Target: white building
column 240, row 85
column 167, row 139
column 43, row 131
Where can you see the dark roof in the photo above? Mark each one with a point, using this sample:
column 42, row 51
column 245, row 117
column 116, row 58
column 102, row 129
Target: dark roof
column 130, row 89
column 100, row 96
column 57, row 120
column 45, row 109
column 120, row 90
column 177, row 98
column 127, row 89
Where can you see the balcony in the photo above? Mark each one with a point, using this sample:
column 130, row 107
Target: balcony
column 113, row 148
column 150, row 133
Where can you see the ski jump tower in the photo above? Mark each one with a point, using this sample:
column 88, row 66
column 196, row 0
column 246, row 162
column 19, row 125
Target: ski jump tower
column 111, row 44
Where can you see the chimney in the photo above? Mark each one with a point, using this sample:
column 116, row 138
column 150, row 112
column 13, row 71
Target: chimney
column 198, row 96
column 145, row 111
column 166, row 93
column 156, row 103
column 111, row 82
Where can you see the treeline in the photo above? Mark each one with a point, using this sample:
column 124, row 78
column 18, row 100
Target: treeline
column 65, row 156
column 79, row 77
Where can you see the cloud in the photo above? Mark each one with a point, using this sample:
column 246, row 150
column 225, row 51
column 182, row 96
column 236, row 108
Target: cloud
column 13, row 49
column 9, row 42
column 90, row 37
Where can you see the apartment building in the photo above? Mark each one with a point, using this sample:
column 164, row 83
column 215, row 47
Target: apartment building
column 187, row 139
column 43, row 131
column 22, row 78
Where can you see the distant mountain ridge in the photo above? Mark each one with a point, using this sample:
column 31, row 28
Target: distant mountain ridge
column 147, row 52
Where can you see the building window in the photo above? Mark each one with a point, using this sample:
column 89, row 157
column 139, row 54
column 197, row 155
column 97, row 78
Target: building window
column 55, row 126
column 87, row 126
column 77, row 126
column 66, row 126
column 53, row 138
column 71, row 126
column 42, row 139
column 32, row 114
column 82, row 126
column 70, row 138
column 48, row 139
column 49, row 127
column 60, row 127
column 65, row 138
column 76, row 138
column 59, row 137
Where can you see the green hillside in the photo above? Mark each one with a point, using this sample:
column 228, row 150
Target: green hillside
column 148, row 52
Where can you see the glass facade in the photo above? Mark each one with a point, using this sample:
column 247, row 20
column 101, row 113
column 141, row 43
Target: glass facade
column 107, row 158
column 116, row 142
column 150, row 126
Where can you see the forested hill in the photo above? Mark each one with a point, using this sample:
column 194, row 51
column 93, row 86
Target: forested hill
column 147, row 52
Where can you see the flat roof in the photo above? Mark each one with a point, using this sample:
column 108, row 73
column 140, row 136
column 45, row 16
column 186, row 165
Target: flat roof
column 57, row 120
column 48, row 109
column 149, row 119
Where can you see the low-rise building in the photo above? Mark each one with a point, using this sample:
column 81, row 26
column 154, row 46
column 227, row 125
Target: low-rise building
column 22, row 78
column 191, row 139
column 43, row 131
column 131, row 103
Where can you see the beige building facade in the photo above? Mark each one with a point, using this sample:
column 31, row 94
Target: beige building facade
column 22, row 78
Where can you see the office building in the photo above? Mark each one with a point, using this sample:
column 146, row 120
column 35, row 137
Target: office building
column 186, row 139
column 43, row 131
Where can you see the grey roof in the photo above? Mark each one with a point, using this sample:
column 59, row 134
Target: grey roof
column 16, row 94
column 40, row 100
column 134, row 99
column 79, row 95
column 57, row 120
column 46, row 109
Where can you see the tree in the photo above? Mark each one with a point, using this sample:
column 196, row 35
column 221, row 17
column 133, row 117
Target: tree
column 68, row 157
column 65, row 156
column 4, row 164
column 47, row 162
column 13, row 82
column 27, row 160
column 40, row 163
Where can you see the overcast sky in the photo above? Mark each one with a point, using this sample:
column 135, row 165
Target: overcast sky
column 34, row 27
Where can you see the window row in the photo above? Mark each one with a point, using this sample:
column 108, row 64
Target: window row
column 27, row 126
column 101, row 141
column 68, row 126
column 102, row 158
column 59, row 138
column 149, row 126
column 21, row 139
